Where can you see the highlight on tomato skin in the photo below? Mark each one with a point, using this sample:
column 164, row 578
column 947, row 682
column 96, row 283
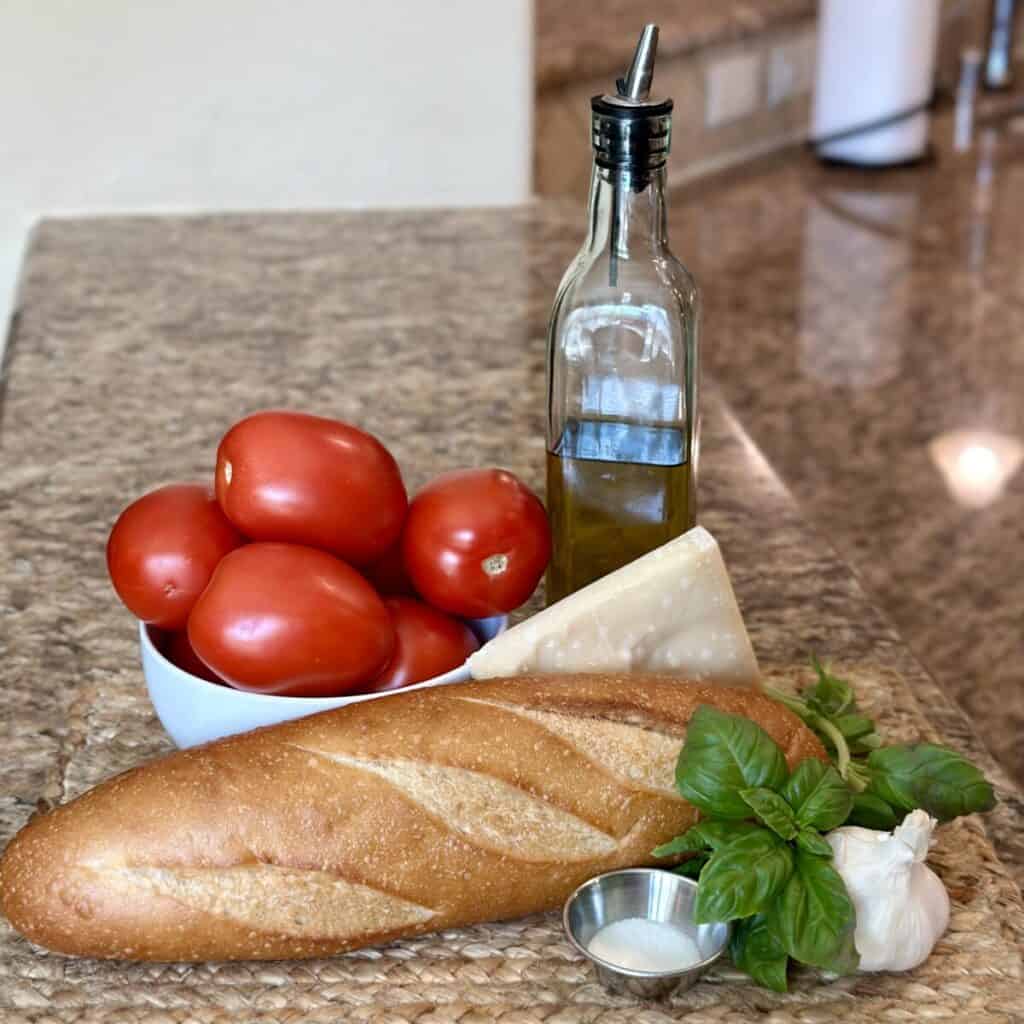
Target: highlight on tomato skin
column 476, row 542
column 163, row 550
column 428, row 644
column 291, row 620
column 301, row 479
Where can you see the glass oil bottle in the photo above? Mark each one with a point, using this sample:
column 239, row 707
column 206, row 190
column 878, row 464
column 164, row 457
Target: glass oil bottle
column 622, row 424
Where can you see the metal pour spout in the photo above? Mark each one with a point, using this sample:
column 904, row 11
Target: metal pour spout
column 633, row 95
column 637, row 83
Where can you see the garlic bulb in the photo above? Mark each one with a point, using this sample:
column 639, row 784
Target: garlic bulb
column 902, row 906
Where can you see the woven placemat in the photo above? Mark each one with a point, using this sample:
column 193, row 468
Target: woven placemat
column 520, row 971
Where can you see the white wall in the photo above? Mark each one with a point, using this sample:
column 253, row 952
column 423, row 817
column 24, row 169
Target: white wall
column 183, row 105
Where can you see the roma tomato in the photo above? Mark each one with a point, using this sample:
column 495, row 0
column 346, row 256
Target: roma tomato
column 291, row 620
column 428, row 643
column 476, row 542
column 286, row 476
column 179, row 651
column 163, row 549
column 388, row 574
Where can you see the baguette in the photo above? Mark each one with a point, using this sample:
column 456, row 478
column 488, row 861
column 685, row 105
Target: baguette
column 425, row 810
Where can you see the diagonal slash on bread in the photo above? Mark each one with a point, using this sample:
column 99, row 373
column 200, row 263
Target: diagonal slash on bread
column 637, row 755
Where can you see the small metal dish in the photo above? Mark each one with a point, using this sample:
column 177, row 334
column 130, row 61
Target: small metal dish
column 646, row 893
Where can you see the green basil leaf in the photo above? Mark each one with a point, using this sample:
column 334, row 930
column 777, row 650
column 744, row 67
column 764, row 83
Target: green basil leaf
column 755, row 948
column 743, row 877
column 813, row 843
column 771, row 809
column 854, row 727
column 814, row 916
column 870, row 811
column 703, row 836
column 818, row 795
column 717, row 834
column 936, row 779
column 688, row 842
column 723, row 754
column 799, row 786
column 830, row 696
column 847, row 960
column 691, row 868
column 859, row 733
column 865, row 744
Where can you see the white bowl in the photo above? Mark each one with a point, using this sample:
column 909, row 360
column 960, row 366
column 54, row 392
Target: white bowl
column 194, row 711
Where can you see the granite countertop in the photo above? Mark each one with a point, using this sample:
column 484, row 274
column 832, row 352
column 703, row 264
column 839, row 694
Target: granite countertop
column 579, row 39
column 867, row 327
column 140, row 340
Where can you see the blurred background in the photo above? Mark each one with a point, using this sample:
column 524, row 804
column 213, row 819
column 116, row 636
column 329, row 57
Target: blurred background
column 113, row 106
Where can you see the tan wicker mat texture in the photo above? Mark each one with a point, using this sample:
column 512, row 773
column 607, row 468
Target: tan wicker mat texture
column 517, row 972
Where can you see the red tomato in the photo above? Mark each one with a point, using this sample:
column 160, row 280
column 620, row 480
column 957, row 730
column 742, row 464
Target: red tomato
column 163, row 549
column 476, row 542
column 285, row 476
column 429, row 643
column 292, row 620
column 178, row 650
column 388, row 574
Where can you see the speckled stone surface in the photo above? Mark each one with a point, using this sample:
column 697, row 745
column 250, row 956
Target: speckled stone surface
column 581, row 39
column 868, row 329
column 142, row 339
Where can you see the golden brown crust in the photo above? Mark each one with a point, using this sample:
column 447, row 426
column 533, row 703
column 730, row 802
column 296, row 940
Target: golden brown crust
column 423, row 810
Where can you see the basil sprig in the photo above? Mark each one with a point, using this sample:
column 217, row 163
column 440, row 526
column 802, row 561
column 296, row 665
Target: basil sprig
column 759, row 854
column 771, row 875
column 888, row 781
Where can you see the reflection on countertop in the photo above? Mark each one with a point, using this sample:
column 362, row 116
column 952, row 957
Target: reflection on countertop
column 868, row 329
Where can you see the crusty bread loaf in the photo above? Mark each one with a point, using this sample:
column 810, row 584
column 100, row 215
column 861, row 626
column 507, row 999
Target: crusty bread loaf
column 419, row 811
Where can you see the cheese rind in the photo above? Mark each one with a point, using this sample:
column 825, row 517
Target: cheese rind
column 672, row 610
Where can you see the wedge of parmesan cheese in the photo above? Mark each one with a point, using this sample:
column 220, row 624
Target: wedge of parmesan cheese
column 673, row 610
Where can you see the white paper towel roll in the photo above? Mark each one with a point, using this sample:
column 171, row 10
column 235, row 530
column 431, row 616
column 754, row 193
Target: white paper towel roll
column 875, row 58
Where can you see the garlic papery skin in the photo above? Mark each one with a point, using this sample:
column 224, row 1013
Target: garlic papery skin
column 902, row 906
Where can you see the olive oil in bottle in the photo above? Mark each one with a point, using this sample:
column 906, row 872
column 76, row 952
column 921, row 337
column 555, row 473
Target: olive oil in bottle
column 622, row 355
column 615, row 491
